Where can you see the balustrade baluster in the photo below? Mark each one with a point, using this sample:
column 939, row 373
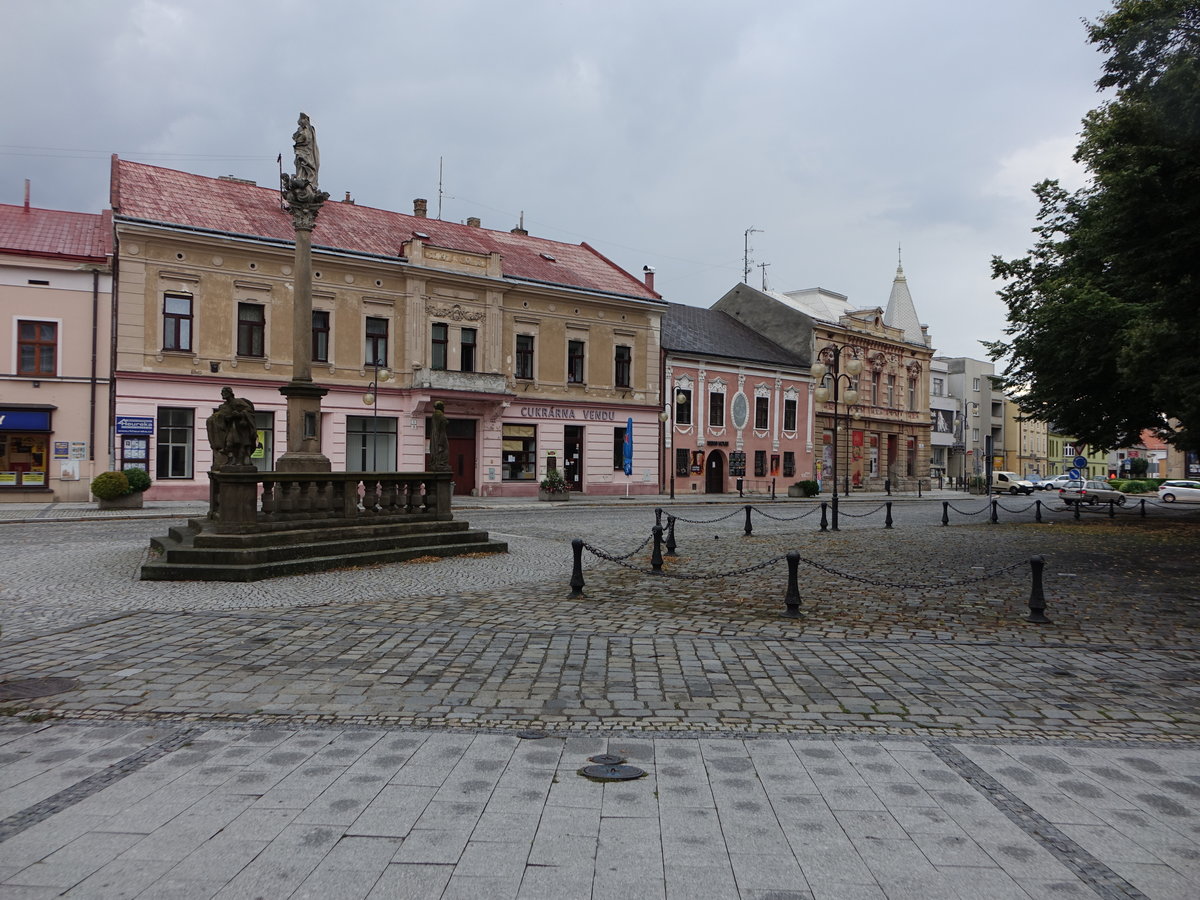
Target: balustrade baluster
column 387, row 499
column 370, row 496
column 268, row 500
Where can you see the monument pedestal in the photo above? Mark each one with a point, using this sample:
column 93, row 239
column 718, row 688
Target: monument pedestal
column 303, row 429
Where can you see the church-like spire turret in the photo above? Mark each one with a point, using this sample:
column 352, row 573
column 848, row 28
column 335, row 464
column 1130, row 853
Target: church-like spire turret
column 901, row 313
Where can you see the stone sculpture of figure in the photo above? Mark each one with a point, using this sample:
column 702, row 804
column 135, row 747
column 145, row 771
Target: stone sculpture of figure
column 439, row 443
column 308, row 158
column 232, row 432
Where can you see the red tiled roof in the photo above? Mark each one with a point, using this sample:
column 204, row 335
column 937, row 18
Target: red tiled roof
column 164, row 195
column 1152, row 441
column 53, row 233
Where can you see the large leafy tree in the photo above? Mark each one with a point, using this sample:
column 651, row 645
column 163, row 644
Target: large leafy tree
column 1104, row 312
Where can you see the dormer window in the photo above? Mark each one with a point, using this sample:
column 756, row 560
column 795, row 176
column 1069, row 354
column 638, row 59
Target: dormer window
column 420, row 234
column 547, row 257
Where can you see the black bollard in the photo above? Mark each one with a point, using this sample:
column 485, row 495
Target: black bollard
column 1037, row 510
column 772, row 489
column 945, row 512
column 887, row 519
column 995, row 518
column 577, row 572
column 1037, row 599
column 1077, row 506
column 887, row 486
column 1112, row 508
column 670, row 535
column 656, row 556
column 792, row 599
column 749, row 528
column 918, row 488
column 1143, row 503
column 824, row 518
column 658, row 515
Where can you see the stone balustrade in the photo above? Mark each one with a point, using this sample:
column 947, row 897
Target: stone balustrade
column 243, row 499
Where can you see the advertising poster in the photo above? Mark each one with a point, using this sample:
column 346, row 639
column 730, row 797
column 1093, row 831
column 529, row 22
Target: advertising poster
column 62, row 450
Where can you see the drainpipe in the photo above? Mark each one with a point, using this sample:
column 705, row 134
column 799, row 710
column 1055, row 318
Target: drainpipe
column 92, row 384
column 112, row 352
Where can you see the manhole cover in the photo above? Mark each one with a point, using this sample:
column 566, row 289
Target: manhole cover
column 612, row 773
column 607, row 759
column 532, row 735
column 35, row 687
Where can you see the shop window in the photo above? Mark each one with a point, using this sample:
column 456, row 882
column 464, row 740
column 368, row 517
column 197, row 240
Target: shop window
column 23, row 459
column 524, row 359
column 789, row 463
column 716, row 409
column 466, row 350
column 623, row 366
column 681, row 463
column 441, row 340
column 519, row 449
column 177, row 322
column 789, row 415
column 37, row 348
column 176, row 441
column 618, row 449
column 762, row 413
column 683, row 406
column 760, row 463
column 575, row 351
column 370, row 444
column 376, row 341
column 320, row 335
column 251, row 329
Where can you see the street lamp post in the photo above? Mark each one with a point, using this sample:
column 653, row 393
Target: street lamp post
column 828, row 368
column 371, row 398
column 667, row 417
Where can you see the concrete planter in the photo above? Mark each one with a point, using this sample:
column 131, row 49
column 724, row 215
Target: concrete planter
column 553, row 497
column 126, row 501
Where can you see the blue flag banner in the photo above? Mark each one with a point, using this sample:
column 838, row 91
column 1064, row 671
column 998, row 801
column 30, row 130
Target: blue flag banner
column 629, row 446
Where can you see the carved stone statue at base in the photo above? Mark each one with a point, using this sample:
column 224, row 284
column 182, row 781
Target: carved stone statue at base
column 232, row 432
column 439, row 442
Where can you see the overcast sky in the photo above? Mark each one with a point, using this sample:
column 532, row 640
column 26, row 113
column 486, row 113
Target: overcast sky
column 658, row 132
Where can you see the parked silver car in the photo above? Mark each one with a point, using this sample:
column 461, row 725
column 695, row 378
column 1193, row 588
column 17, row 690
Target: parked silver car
column 1091, row 492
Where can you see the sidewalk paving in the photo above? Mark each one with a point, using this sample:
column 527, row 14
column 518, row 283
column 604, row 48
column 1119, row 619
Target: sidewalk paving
column 417, row 731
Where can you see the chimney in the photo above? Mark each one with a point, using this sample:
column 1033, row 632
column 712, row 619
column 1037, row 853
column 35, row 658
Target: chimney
column 348, row 199
column 26, row 195
column 520, row 229
column 420, row 208
column 649, row 273
column 473, row 222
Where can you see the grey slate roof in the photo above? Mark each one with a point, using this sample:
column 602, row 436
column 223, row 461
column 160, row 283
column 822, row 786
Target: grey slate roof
column 901, row 313
column 690, row 329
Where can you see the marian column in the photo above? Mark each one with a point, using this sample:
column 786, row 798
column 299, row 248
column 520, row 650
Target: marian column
column 304, row 200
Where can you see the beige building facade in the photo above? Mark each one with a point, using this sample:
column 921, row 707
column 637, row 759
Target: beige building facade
column 55, row 293
column 544, row 354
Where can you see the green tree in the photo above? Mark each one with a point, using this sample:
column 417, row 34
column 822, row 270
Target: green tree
column 1104, row 312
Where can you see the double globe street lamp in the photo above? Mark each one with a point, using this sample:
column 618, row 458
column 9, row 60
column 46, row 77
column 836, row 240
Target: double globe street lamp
column 371, row 398
column 828, row 368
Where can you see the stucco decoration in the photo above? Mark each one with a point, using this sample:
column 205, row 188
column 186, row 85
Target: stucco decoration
column 739, row 411
column 454, row 313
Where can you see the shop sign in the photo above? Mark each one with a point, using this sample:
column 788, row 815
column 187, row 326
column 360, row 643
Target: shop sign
column 24, row 420
column 8, row 478
column 33, row 478
column 554, row 412
column 78, row 449
column 62, row 450
column 135, row 425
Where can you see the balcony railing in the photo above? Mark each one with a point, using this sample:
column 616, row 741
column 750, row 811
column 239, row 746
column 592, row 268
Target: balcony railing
column 445, row 380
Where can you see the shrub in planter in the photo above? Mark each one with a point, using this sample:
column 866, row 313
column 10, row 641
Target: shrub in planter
column 139, row 480
column 553, row 485
column 809, row 488
column 110, row 485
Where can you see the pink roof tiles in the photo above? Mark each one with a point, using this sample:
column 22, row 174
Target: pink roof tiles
column 195, row 201
column 52, row 233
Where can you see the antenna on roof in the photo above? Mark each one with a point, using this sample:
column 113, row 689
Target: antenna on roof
column 279, row 160
column 763, row 266
column 746, row 256
column 439, row 187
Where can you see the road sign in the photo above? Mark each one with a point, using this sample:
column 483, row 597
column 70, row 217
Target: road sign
column 1080, row 462
column 1074, row 473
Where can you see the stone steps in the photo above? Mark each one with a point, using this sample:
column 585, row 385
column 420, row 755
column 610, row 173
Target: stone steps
column 193, row 554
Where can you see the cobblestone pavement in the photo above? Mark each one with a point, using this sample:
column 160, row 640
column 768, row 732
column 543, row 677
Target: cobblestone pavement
column 359, row 733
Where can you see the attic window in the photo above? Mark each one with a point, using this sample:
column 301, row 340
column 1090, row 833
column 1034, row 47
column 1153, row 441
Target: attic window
column 39, row 281
column 547, row 256
column 420, row 234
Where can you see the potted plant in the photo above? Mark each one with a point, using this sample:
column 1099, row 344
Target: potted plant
column 552, row 487
column 805, row 488
column 120, row 490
